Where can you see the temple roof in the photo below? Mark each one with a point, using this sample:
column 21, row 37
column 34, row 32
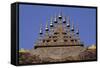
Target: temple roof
column 62, row 34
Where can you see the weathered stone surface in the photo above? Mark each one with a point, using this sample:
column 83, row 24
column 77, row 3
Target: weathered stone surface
column 89, row 54
column 58, row 54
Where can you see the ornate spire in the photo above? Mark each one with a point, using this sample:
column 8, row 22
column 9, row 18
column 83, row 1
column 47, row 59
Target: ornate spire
column 46, row 28
column 72, row 28
column 51, row 23
column 77, row 31
column 60, row 15
column 55, row 19
column 41, row 32
column 64, row 19
column 68, row 21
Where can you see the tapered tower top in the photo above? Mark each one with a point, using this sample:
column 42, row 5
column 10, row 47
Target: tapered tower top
column 55, row 19
column 46, row 28
column 68, row 21
column 51, row 22
column 72, row 28
column 77, row 30
column 41, row 31
column 60, row 15
column 64, row 19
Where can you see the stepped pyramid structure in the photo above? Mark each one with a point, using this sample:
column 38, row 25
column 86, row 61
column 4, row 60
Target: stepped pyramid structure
column 60, row 33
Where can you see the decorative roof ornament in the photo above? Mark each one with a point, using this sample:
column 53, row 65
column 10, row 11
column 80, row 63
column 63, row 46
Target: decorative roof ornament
column 77, row 31
column 60, row 15
column 72, row 28
column 55, row 19
column 51, row 23
column 46, row 28
column 64, row 19
column 41, row 32
column 68, row 21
